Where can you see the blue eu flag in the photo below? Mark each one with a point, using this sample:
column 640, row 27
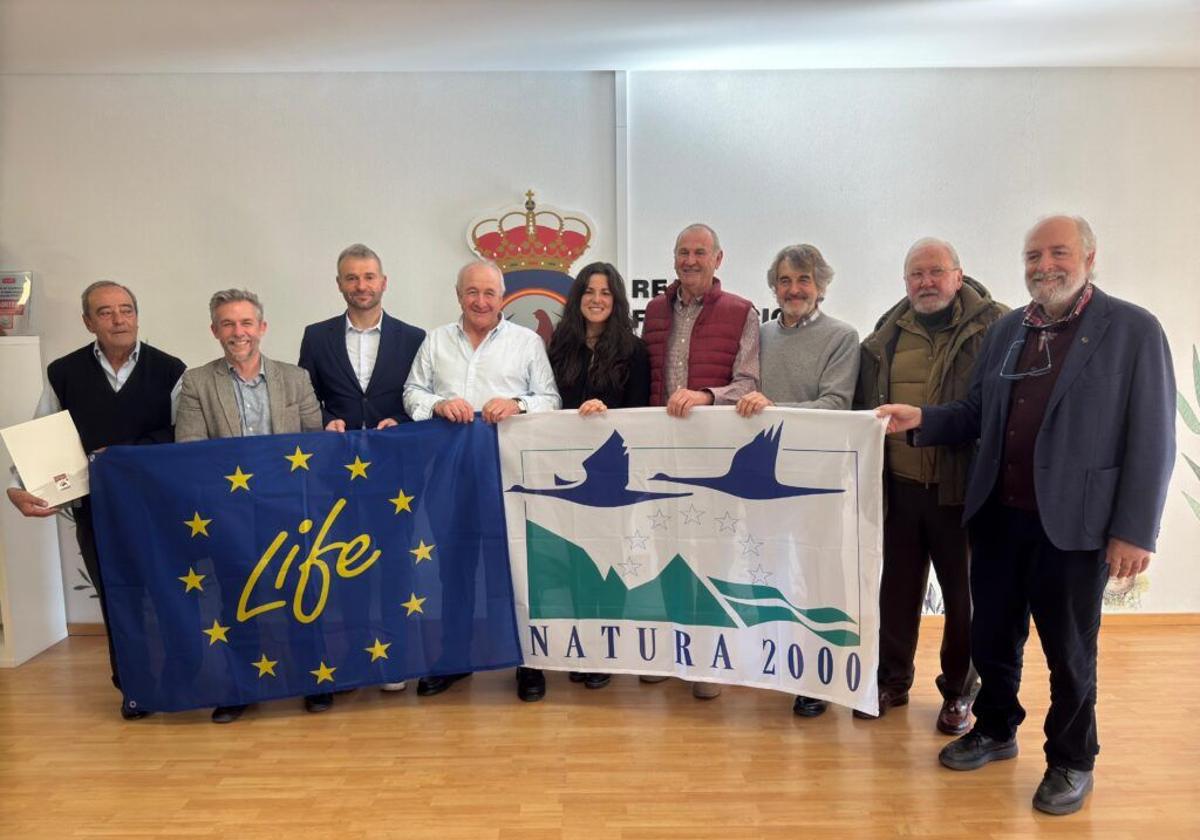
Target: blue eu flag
column 255, row 568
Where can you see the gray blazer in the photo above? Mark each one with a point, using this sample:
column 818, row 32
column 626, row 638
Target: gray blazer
column 208, row 406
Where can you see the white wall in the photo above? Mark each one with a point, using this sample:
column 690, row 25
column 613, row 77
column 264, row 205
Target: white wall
column 862, row 163
column 182, row 184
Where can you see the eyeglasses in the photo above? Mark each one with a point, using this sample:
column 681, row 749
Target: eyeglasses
column 1012, row 358
column 935, row 274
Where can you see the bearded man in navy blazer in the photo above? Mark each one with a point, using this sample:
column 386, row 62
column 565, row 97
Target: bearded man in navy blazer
column 1073, row 404
column 359, row 361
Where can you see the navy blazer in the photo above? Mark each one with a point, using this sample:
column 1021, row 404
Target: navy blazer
column 1104, row 452
column 323, row 355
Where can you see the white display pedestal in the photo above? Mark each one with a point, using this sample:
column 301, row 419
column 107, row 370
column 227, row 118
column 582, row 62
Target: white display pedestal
column 32, row 608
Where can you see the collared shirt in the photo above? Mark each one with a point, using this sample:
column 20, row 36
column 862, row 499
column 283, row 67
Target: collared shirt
column 510, row 362
column 745, row 363
column 362, row 347
column 254, row 405
column 807, row 320
column 1037, row 316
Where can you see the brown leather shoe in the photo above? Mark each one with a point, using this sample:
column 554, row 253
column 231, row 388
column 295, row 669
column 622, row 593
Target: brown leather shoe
column 887, row 699
column 955, row 716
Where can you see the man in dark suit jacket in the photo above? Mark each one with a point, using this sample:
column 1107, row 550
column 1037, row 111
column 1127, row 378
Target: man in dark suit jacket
column 359, row 361
column 1073, row 404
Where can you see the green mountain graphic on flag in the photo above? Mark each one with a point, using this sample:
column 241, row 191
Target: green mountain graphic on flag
column 564, row 582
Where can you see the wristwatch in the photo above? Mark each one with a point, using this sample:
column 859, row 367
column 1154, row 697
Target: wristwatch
column 521, row 406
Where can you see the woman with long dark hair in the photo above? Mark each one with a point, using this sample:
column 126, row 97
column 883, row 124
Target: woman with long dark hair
column 598, row 361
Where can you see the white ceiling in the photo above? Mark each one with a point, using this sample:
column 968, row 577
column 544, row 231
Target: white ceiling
column 217, row 36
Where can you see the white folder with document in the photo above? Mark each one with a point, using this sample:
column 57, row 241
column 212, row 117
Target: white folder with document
column 49, row 457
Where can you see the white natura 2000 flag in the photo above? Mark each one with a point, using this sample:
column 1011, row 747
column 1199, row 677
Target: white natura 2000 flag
column 714, row 548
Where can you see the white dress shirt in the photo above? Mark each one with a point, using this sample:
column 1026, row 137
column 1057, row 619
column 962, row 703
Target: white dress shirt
column 510, row 362
column 362, row 347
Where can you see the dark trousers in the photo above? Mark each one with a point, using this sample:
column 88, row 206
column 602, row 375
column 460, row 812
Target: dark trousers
column 1016, row 571
column 918, row 530
column 85, row 535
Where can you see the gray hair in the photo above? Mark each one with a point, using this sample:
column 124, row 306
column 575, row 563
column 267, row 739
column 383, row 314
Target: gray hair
column 700, row 226
column 221, row 298
column 805, row 258
column 102, row 284
column 458, row 283
column 1086, row 235
column 358, row 251
column 932, row 242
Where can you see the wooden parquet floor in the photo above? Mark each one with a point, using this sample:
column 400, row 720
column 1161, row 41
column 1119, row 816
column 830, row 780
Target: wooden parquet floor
column 628, row 761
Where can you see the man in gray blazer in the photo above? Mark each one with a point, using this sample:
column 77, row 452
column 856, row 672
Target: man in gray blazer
column 245, row 393
column 1073, row 404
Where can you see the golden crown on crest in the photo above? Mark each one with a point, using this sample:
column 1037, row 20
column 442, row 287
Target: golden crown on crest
column 532, row 239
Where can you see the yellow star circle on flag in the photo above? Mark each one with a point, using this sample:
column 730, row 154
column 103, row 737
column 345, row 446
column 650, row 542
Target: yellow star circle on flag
column 422, row 552
column 239, row 479
column 298, row 459
column 378, row 650
column 413, row 604
column 198, row 525
column 402, row 501
column 358, row 468
column 192, row 581
column 216, row 633
column 323, row 673
column 266, row 667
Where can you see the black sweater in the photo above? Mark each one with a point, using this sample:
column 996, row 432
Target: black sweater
column 635, row 394
column 139, row 413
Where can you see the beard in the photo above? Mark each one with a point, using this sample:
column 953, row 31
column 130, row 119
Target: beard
column 1053, row 290
column 798, row 307
column 931, row 304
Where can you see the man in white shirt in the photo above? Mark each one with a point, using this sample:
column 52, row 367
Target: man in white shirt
column 483, row 363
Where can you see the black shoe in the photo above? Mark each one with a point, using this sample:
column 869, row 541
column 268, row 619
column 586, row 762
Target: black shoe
column 1062, row 790
column 227, row 714
column 531, row 684
column 888, row 698
column 318, row 702
column 130, row 711
column 577, row 676
column 809, row 706
column 974, row 750
column 596, row 680
column 429, row 686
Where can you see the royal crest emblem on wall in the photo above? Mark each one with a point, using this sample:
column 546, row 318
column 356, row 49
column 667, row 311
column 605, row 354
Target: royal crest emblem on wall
column 535, row 248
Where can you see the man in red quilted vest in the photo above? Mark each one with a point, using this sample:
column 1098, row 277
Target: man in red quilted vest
column 703, row 343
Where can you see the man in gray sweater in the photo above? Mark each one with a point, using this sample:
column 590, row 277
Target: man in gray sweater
column 808, row 359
